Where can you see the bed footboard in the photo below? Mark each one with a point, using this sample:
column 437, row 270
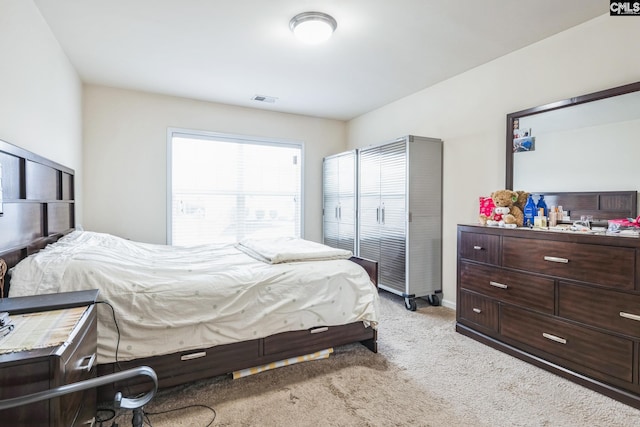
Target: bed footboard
column 370, row 266
column 184, row 367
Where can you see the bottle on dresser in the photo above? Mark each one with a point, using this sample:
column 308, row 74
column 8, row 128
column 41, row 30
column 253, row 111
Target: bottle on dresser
column 553, row 216
column 542, row 205
column 529, row 212
column 540, row 221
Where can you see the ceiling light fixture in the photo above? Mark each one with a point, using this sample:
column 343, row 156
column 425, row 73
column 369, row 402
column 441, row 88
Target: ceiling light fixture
column 313, row 27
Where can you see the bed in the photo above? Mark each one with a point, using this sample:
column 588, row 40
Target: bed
column 45, row 253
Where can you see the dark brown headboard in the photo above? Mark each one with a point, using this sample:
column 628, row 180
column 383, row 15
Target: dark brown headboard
column 602, row 205
column 38, row 205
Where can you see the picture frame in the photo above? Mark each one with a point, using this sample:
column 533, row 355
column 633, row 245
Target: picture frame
column 524, row 144
column 522, row 140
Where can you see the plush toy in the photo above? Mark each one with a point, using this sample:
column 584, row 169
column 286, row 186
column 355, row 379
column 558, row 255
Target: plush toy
column 507, row 211
column 523, row 196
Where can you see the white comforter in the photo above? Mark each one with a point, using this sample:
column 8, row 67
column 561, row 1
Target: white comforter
column 168, row 299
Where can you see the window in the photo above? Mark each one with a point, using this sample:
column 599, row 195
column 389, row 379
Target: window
column 224, row 188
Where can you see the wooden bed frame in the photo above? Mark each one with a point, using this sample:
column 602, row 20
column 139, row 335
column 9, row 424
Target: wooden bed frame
column 37, row 206
column 38, row 209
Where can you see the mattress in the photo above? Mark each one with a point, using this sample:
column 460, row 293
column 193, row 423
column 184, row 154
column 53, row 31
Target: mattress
column 170, row 298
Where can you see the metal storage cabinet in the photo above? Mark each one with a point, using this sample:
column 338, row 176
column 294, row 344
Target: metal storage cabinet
column 339, row 201
column 400, row 215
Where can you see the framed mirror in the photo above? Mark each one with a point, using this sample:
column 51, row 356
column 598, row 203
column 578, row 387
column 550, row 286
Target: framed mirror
column 583, row 144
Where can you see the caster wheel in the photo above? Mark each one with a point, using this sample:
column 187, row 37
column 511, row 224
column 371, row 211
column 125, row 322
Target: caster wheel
column 410, row 304
column 433, row 300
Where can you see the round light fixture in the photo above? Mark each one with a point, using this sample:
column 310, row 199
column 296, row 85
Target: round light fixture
column 313, row 27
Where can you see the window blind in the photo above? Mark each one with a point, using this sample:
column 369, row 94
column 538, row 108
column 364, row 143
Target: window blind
column 224, row 188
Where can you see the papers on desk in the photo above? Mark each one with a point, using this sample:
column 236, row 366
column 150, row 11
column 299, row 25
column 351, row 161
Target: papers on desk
column 6, row 324
column 41, row 330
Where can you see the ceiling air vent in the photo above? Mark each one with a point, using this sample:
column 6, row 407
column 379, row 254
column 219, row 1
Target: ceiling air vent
column 263, row 98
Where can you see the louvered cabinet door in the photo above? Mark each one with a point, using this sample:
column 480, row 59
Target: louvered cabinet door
column 330, row 201
column 393, row 199
column 331, row 233
column 339, row 201
column 347, row 179
column 369, row 203
column 347, row 236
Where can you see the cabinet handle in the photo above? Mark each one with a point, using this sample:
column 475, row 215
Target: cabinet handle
column 319, row 330
column 193, row 355
column 477, row 310
column 556, row 259
column 498, row 285
column 477, row 248
column 630, row 316
column 89, row 363
column 554, row 338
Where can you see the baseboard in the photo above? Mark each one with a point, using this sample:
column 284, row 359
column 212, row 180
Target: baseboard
column 448, row 304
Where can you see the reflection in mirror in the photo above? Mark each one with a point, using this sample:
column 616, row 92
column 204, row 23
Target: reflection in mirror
column 588, row 143
column 589, row 147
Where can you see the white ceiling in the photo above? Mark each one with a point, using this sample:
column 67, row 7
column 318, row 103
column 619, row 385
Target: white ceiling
column 227, row 51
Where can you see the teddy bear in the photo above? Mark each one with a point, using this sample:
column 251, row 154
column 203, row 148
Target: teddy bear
column 507, row 211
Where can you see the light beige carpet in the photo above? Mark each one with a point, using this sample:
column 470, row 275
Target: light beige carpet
column 425, row 374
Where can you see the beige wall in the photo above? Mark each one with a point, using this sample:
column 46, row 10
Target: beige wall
column 125, row 145
column 469, row 111
column 40, row 92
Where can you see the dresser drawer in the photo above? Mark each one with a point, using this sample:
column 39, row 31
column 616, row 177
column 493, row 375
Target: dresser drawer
column 607, row 309
column 602, row 353
column 515, row 288
column 315, row 339
column 80, row 365
column 479, row 310
column 20, row 378
column 601, row 265
column 480, row 247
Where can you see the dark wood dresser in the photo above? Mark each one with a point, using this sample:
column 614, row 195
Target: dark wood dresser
column 39, row 369
column 564, row 301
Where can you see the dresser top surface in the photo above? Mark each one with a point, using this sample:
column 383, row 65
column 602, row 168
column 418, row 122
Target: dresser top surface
column 45, row 302
column 564, row 236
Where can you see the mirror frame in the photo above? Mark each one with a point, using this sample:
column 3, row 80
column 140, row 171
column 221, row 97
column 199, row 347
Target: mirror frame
column 607, row 93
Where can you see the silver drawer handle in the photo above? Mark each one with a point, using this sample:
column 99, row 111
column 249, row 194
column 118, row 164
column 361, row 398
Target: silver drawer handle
column 193, row 355
column 556, row 259
column 90, row 360
column 318, row 330
column 630, row 316
column 477, row 248
column 554, row 338
column 477, row 310
column 498, row 285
